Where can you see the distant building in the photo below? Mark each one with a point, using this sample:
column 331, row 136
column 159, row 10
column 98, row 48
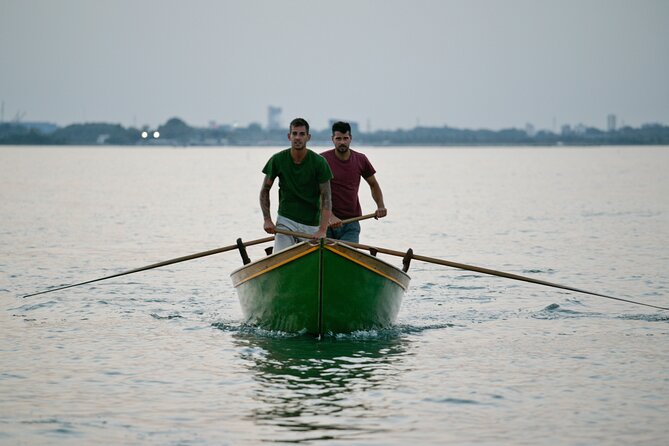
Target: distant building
column 580, row 129
column 611, row 123
column 273, row 118
column 530, row 130
column 566, row 130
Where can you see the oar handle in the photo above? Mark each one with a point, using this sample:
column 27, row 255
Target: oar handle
column 362, row 217
column 294, row 234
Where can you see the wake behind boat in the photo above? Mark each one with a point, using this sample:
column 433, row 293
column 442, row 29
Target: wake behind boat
column 327, row 287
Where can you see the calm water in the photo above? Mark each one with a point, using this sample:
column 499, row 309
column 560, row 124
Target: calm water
column 161, row 357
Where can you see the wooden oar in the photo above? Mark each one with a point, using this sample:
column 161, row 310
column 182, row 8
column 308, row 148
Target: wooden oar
column 159, row 264
column 362, row 217
column 476, row 269
column 185, row 258
column 494, row 273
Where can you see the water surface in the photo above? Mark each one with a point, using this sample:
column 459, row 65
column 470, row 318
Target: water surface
column 161, row 357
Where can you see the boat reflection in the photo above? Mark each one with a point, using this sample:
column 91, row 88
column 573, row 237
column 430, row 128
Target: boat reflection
column 335, row 388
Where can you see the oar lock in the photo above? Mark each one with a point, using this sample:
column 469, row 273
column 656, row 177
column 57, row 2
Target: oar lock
column 242, row 251
column 407, row 260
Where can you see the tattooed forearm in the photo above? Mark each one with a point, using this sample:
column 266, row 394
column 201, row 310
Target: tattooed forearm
column 264, row 196
column 326, row 196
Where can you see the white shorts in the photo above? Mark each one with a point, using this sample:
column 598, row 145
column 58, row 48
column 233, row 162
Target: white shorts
column 282, row 241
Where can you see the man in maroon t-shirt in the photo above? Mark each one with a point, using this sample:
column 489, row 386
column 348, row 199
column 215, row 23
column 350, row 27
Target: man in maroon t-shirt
column 348, row 166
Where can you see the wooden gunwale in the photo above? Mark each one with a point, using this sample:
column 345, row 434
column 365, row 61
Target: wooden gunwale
column 378, row 266
column 371, row 263
column 259, row 267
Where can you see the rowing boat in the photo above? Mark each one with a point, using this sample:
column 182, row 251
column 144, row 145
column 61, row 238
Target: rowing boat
column 320, row 288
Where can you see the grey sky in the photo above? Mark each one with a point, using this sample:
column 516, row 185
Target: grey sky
column 389, row 64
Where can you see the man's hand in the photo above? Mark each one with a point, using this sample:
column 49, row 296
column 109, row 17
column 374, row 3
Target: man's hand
column 335, row 222
column 321, row 233
column 380, row 213
column 269, row 227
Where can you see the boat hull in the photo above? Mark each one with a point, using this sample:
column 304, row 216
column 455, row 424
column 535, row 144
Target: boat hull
column 319, row 289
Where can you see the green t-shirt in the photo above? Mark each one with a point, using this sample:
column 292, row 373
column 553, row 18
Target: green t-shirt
column 299, row 185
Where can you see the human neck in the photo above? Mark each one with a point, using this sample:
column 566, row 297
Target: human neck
column 343, row 155
column 298, row 155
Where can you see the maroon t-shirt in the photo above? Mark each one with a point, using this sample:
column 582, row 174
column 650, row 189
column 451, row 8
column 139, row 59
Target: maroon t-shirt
column 346, row 181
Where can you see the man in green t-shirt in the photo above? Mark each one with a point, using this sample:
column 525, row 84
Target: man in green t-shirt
column 305, row 201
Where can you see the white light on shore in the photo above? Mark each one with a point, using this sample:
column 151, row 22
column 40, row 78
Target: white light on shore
column 156, row 134
column 145, row 135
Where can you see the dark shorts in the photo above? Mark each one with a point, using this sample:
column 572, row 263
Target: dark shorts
column 349, row 232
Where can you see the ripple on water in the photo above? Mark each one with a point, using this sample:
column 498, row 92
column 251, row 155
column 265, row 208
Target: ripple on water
column 54, row 426
column 555, row 311
column 452, row 401
column 35, row 306
column 4, row 376
column 538, row 271
column 651, row 317
column 168, row 317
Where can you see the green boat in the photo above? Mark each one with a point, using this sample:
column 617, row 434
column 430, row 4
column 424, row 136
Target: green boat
column 322, row 288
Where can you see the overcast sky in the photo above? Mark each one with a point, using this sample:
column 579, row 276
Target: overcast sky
column 386, row 64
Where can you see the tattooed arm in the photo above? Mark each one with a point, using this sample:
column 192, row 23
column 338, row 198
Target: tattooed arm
column 268, row 225
column 326, row 210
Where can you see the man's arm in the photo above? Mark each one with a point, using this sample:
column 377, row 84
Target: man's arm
column 268, row 224
column 377, row 195
column 326, row 210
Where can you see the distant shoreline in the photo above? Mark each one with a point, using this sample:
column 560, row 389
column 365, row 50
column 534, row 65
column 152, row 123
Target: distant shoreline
column 176, row 132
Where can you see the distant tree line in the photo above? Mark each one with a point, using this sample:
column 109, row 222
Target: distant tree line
column 176, row 132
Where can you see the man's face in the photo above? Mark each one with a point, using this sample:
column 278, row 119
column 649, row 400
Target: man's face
column 342, row 141
column 298, row 137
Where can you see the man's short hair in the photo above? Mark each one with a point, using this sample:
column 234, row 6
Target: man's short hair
column 299, row 122
column 341, row 126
